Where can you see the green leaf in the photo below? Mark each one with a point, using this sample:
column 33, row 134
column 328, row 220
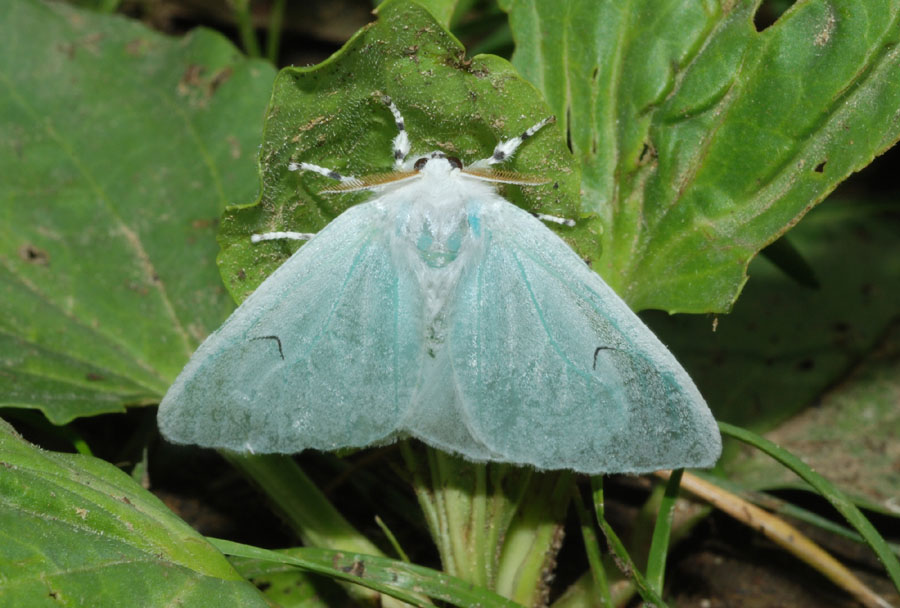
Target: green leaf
column 75, row 530
column 121, row 148
column 784, row 344
column 702, row 140
column 853, row 434
column 287, row 586
column 333, row 115
column 407, row 582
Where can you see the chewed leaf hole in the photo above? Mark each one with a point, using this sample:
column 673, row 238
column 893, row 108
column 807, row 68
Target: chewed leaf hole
column 820, row 168
column 768, row 12
column 34, row 255
column 647, row 153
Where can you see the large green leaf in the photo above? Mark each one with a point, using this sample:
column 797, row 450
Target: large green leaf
column 121, row 147
column 333, row 115
column 785, row 344
column 701, row 139
column 853, row 435
column 77, row 531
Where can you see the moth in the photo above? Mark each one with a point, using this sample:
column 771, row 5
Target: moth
column 441, row 311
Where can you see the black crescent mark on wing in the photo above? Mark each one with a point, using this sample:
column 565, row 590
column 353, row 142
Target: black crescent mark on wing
column 597, row 352
column 278, row 340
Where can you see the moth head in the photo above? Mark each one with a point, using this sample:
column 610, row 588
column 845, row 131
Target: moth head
column 437, row 161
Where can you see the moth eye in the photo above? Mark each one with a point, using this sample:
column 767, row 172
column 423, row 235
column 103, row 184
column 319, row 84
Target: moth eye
column 454, row 162
column 420, row 164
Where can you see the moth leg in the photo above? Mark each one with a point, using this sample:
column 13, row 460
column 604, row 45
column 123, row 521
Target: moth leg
column 564, row 221
column 329, row 173
column 401, row 141
column 273, row 236
column 504, row 149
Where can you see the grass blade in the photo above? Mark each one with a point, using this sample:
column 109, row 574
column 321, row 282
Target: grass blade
column 837, row 498
column 592, row 548
column 659, row 546
column 623, row 560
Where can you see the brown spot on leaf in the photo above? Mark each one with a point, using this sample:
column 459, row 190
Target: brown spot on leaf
column 197, row 86
column 34, row 255
column 191, row 78
column 220, row 78
column 827, row 30
column 202, row 224
column 137, row 47
column 358, row 568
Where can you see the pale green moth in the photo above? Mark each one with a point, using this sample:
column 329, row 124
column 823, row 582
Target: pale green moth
column 441, row 311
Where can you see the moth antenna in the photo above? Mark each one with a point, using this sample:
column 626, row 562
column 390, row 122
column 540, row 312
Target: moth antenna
column 500, row 176
column 372, row 182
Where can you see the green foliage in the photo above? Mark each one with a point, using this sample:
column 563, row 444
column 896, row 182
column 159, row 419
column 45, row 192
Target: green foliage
column 121, row 149
column 407, row 582
column 785, row 343
column 701, row 139
column 332, row 114
column 75, row 530
column 824, row 487
column 850, row 435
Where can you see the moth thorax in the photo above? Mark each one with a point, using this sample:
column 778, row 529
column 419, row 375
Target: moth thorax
column 438, row 285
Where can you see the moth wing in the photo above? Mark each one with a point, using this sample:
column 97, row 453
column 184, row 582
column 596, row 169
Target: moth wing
column 319, row 356
column 553, row 369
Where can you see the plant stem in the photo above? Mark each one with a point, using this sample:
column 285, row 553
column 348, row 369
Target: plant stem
column 306, row 510
column 659, row 546
column 276, row 22
column 592, row 549
column 623, row 559
column 494, row 525
column 245, row 27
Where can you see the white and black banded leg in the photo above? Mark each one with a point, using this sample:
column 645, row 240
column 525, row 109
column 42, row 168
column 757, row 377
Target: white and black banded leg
column 276, row 236
column 329, row 173
column 562, row 221
column 401, row 141
column 504, row 150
